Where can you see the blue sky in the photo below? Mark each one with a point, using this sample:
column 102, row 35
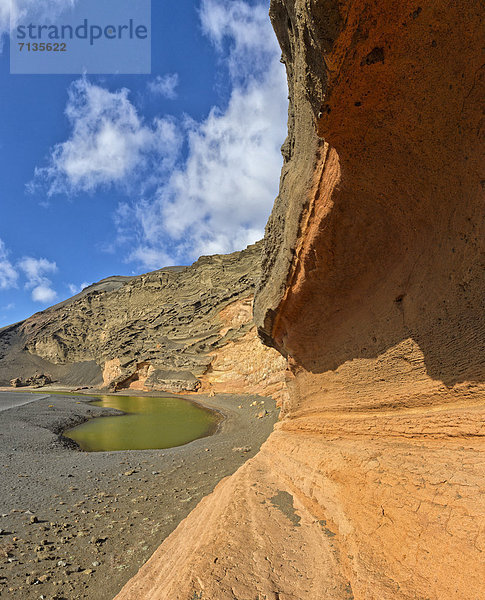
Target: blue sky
column 105, row 175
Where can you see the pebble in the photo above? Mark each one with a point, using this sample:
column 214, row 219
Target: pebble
column 98, row 540
column 242, row 449
column 44, row 556
column 73, row 570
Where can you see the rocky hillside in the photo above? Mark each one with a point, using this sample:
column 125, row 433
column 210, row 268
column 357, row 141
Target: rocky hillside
column 176, row 329
column 372, row 485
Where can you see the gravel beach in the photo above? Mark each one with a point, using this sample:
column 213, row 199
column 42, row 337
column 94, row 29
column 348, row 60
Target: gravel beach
column 78, row 525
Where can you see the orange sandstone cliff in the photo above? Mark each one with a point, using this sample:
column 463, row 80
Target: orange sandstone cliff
column 372, row 486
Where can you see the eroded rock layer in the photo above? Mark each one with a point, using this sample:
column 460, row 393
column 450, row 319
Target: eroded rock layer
column 372, row 486
column 159, row 331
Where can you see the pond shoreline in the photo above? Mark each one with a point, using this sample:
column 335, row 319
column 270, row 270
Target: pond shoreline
column 91, row 395
column 97, row 516
column 144, row 423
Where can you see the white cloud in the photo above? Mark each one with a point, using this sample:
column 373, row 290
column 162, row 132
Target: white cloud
column 151, row 258
column 76, row 289
column 35, row 270
column 44, row 294
column 165, row 86
column 219, row 198
column 109, row 142
column 11, row 11
column 246, row 30
column 8, row 274
column 196, row 187
column 223, row 193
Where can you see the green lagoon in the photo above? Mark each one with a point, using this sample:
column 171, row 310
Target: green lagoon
column 149, row 423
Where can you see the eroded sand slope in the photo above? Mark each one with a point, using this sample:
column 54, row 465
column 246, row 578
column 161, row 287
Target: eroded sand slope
column 372, row 486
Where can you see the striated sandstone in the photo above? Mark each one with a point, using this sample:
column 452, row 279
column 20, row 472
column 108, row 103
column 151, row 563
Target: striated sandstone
column 372, row 486
column 244, row 365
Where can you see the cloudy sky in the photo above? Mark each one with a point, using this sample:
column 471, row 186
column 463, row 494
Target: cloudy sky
column 104, row 175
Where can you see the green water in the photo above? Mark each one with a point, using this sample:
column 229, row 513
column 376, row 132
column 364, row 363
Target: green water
column 150, row 423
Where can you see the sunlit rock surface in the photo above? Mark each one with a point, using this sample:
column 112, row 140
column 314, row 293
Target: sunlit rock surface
column 372, row 486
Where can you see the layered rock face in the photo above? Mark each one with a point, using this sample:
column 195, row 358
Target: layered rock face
column 159, row 331
column 372, row 486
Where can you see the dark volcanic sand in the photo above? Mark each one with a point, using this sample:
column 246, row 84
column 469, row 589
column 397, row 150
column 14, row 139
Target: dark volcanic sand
column 78, row 525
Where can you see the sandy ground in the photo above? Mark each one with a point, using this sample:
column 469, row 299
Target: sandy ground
column 78, row 525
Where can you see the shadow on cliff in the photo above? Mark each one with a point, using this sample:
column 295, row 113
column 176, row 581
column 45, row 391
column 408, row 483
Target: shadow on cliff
column 403, row 260
column 394, row 246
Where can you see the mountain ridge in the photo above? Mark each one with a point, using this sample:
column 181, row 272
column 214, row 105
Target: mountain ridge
column 158, row 331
